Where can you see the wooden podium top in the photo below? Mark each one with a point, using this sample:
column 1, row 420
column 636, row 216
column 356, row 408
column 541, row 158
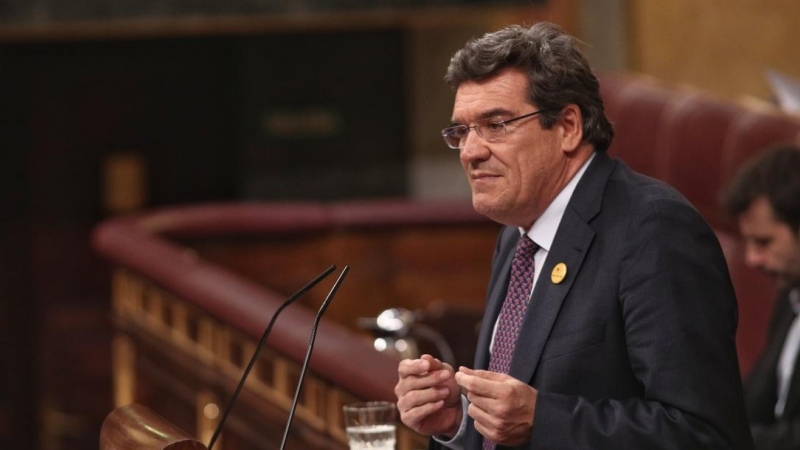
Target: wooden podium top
column 136, row 427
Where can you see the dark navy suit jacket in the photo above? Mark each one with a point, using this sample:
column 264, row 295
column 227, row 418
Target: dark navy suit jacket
column 635, row 348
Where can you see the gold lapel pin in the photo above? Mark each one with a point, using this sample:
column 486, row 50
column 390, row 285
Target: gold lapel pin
column 559, row 273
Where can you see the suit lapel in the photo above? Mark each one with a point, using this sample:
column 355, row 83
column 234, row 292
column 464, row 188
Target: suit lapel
column 570, row 246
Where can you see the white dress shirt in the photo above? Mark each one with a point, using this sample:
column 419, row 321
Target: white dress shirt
column 786, row 363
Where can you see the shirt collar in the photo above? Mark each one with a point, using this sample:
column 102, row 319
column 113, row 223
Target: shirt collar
column 543, row 230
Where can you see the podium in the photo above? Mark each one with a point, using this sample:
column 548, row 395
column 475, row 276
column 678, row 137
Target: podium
column 136, row 427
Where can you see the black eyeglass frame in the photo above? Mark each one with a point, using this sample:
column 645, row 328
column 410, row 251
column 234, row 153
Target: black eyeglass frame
column 447, row 132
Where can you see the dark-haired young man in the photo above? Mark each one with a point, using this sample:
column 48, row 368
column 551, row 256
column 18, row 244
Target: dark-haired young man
column 765, row 200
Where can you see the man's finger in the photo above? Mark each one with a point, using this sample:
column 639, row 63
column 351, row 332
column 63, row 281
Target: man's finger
column 485, row 374
column 409, row 367
column 416, row 383
column 477, row 385
column 435, row 364
column 479, row 411
column 415, row 415
column 419, row 397
column 485, row 423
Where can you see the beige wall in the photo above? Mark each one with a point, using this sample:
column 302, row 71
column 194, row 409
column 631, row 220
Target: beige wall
column 720, row 46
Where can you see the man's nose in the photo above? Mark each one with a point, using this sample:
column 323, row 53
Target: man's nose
column 753, row 256
column 473, row 148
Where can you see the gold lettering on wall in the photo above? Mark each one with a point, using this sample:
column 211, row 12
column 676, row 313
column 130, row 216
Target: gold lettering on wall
column 124, row 182
column 302, row 123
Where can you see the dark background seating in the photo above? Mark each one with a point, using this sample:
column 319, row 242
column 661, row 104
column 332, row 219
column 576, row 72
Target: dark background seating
column 696, row 142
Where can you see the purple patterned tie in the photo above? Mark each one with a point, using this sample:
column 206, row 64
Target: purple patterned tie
column 513, row 311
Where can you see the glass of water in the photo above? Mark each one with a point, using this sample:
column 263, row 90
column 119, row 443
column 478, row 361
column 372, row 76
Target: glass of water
column 370, row 425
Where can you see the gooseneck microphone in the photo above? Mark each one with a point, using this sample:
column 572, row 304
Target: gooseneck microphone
column 308, row 352
column 288, row 302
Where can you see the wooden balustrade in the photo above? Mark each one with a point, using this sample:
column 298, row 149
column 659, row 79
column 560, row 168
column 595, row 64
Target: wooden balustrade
column 187, row 326
column 175, row 326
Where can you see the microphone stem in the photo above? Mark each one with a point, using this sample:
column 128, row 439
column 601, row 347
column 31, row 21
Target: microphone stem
column 308, row 353
column 263, row 340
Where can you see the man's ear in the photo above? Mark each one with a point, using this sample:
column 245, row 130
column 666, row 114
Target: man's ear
column 571, row 123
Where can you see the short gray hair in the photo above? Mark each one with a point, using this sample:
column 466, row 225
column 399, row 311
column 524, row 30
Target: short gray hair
column 558, row 73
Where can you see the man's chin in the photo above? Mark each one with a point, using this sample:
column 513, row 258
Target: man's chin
column 497, row 212
column 481, row 207
column 484, row 207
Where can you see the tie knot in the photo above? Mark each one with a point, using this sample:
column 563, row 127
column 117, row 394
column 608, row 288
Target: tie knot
column 526, row 246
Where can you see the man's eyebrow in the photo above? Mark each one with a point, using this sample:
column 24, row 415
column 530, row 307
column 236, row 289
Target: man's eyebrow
column 494, row 112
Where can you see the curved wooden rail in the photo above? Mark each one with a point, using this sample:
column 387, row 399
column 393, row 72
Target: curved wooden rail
column 141, row 243
column 167, row 292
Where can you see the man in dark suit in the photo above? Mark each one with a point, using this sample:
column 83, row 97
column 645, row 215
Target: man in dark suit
column 610, row 316
column 765, row 200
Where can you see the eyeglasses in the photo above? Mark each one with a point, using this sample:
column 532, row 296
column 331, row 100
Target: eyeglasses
column 489, row 130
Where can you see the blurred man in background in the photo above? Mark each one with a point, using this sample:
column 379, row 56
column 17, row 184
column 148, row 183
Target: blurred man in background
column 765, row 200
